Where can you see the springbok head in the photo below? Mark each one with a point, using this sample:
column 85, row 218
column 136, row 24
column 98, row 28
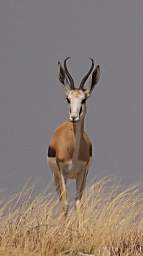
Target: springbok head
column 76, row 97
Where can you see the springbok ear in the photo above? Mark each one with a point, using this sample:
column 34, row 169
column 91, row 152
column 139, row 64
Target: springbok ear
column 63, row 78
column 94, row 80
column 61, row 73
column 95, row 77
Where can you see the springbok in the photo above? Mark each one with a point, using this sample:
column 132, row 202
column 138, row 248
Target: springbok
column 70, row 149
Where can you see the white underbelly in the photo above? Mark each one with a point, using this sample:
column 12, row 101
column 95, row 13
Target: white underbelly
column 71, row 169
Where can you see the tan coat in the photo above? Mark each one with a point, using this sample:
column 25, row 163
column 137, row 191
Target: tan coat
column 62, row 144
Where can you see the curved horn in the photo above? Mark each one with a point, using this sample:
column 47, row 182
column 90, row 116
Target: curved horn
column 87, row 75
column 68, row 74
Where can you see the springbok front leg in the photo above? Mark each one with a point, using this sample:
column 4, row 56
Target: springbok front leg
column 80, row 185
column 61, row 189
column 60, row 183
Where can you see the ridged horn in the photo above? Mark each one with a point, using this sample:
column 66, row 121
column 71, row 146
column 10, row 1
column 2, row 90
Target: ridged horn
column 87, row 75
column 68, row 74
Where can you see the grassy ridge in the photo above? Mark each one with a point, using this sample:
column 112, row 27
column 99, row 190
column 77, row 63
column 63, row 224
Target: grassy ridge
column 110, row 222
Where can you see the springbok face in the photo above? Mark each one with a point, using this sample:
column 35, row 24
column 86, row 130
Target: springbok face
column 77, row 97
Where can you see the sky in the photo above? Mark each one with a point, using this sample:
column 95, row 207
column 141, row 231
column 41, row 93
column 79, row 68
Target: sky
column 34, row 36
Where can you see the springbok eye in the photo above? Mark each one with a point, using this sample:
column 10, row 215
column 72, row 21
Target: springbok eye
column 83, row 101
column 68, row 100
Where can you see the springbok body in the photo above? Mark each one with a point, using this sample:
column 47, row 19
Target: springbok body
column 70, row 148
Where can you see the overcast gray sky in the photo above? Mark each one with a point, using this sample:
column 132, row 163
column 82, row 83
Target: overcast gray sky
column 34, row 35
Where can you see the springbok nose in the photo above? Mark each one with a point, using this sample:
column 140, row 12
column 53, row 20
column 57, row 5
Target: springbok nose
column 73, row 117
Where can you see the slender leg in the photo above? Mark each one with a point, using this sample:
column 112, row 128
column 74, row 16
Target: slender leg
column 61, row 189
column 60, row 183
column 80, row 185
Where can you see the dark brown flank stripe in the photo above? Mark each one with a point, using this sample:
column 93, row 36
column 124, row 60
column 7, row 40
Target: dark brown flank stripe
column 51, row 152
column 90, row 150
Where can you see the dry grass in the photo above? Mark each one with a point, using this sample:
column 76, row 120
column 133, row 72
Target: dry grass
column 110, row 222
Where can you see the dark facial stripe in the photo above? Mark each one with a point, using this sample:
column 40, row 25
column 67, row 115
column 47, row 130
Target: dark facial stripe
column 83, row 101
column 80, row 110
column 68, row 100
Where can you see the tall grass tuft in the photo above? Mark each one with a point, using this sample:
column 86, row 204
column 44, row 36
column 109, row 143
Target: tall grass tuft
column 109, row 222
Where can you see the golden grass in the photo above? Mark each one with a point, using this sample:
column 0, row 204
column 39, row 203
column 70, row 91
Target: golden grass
column 110, row 222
